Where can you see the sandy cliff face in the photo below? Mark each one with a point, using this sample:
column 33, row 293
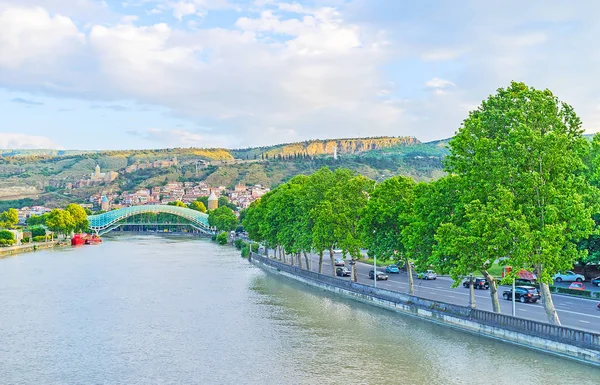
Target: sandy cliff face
column 17, row 192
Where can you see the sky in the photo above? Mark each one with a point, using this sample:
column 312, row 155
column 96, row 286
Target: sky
column 133, row 74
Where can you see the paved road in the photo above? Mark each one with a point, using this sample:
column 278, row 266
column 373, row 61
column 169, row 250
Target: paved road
column 574, row 312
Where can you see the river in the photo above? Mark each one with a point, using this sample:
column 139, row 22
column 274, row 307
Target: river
column 147, row 309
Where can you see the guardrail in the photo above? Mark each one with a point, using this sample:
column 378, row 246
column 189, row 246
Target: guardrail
column 556, row 333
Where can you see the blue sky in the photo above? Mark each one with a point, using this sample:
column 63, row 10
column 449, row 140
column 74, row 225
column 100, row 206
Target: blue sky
column 90, row 74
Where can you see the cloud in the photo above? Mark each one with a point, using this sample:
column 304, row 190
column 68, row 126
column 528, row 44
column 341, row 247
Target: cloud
column 21, row 141
column 114, row 107
column 180, row 138
column 32, row 35
column 439, row 83
column 27, row 102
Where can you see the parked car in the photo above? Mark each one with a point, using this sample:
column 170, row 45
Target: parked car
column 577, row 286
column 392, row 269
column 342, row 272
column 429, row 274
column 523, row 294
column 380, row 275
column 596, row 281
column 339, row 262
column 569, row 276
column 478, row 283
column 598, row 305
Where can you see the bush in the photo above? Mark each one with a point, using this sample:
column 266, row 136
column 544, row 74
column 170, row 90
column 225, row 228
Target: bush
column 7, row 235
column 214, row 237
column 245, row 251
column 39, row 238
column 25, row 240
column 254, row 247
column 238, row 243
column 222, row 238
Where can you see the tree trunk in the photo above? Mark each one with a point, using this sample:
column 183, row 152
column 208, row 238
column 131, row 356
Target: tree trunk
column 306, row 259
column 332, row 260
column 471, row 293
column 411, row 281
column 320, row 261
column 548, row 304
column 493, row 291
column 291, row 258
column 299, row 258
column 354, row 272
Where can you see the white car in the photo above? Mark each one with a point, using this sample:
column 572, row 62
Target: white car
column 568, row 276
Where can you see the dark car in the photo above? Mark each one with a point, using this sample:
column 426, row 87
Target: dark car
column 478, row 283
column 380, row 276
column 342, row 272
column 523, row 294
column 596, row 281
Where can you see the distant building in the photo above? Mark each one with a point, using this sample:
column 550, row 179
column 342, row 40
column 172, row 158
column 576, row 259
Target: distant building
column 213, row 201
column 98, row 176
column 104, row 204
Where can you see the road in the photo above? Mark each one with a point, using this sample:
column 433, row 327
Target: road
column 578, row 313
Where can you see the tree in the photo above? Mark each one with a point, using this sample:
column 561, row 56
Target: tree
column 79, row 217
column 7, row 238
column 387, row 213
column 198, row 206
column 60, row 221
column 177, row 204
column 223, row 201
column 528, row 145
column 222, row 238
column 203, row 200
column 9, row 218
column 36, row 220
column 223, row 219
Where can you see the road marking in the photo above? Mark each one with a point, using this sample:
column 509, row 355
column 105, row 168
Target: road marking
column 585, row 322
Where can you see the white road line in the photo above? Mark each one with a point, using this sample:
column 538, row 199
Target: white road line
column 585, row 322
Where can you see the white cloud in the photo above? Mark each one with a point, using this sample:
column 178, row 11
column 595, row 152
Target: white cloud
column 182, row 138
column 20, row 141
column 129, row 19
column 182, row 9
column 439, row 83
column 31, row 35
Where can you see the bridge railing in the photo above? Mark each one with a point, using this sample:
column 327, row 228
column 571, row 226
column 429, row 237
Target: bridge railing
column 576, row 337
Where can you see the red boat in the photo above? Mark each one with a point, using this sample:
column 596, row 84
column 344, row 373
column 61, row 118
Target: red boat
column 85, row 239
column 92, row 239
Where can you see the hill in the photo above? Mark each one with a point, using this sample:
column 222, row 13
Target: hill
column 55, row 178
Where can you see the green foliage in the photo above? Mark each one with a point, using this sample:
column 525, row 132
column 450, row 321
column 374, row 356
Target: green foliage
column 238, row 243
column 223, row 219
column 178, row 204
column 60, row 221
column 7, row 236
column 224, row 202
column 222, row 238
column 37, row 220
column 79, row 215
column 9, row 218
column 245, row 251
column 198, row 206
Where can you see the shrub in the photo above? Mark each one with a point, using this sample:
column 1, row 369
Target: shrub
column 25, row 240
column 245, row 251
column 238, row 243
column 222, row 238
column 7, row 235
column 39, row 238
column 254, row 247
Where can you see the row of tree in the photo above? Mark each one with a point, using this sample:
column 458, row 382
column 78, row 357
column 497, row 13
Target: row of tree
column 522, row 187
column 72, row 219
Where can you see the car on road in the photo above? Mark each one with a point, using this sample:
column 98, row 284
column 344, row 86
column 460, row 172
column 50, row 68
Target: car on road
column 596, row 281
column 523, row 294
column 598, row 305
column 339, row 262
column 569, row 276
column 429, row 274
column 577, row 286
column 392, row 269
column 478, row 283
column 342, row 272
column 380, row 275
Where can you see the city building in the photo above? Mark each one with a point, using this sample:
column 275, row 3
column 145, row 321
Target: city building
column 213, row 201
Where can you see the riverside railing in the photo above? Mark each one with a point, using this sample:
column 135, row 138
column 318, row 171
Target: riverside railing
column 576, row 337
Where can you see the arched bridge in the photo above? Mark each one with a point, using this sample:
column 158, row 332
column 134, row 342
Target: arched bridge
column 103, row 223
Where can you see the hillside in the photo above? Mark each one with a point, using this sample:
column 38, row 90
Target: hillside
column 55, row 179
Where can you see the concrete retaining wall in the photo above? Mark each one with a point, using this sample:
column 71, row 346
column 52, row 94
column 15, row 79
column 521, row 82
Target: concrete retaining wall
column 571, row 343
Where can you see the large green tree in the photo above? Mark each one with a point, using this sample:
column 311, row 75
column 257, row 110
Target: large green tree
column 387, row 213
column 198, row 206
column 223, row 219
column 60, row 221
column 79, row 217
column 530, row 145
column 9, row 218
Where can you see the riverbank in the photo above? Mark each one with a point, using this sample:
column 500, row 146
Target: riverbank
column 29, row 247
column 557, row 340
